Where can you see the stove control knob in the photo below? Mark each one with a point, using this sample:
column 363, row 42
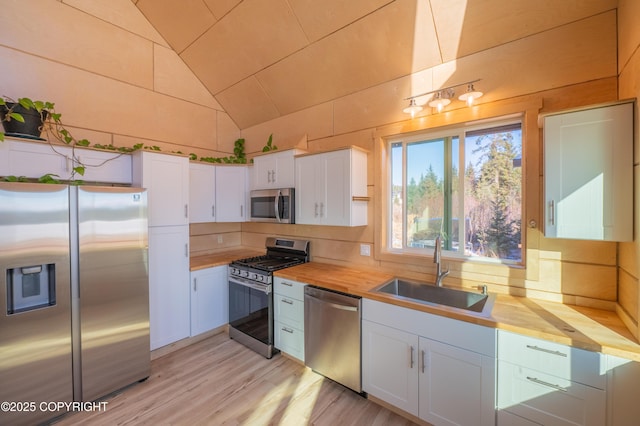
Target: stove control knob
column 254, row 276
column 245, row 273
column 259, row 277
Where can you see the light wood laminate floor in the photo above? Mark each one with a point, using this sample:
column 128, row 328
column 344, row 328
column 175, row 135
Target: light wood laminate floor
column 218, row 381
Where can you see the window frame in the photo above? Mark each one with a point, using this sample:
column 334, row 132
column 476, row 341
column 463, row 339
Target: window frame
column 449, row 132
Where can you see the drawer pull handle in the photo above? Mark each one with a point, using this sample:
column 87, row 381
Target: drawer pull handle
column 288, row 330
column 288, row 302
column 287, row 284
column 548, row 351
column 547, row 384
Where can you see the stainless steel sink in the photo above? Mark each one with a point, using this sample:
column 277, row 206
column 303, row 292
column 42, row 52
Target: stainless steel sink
column 430, row 294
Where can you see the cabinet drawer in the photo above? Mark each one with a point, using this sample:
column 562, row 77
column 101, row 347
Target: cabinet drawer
column 547, row 399
column 289, row 339
column 505, row 418
column 552, row 358
column 289, row 288
column 289, row 310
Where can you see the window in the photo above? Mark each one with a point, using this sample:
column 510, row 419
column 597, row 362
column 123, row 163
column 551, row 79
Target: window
column 464, row 184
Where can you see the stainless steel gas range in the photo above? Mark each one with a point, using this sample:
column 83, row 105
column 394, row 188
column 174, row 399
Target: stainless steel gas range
column 251, row 292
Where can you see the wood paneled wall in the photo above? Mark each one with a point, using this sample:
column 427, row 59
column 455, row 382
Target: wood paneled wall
column 629, row 87
column 113, row 78
column 561, row 68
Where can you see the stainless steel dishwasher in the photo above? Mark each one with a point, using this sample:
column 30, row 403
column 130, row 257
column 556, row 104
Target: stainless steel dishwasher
column 332, row 335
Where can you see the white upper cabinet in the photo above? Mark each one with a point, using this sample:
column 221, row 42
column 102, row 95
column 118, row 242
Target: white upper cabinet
column 166, row 178
column 217, row 193
column 274, row 170
column 331, row 188
column 589, row 173
column 202, row 193
column 231, row 193
column 34, row 159
column 103, row 166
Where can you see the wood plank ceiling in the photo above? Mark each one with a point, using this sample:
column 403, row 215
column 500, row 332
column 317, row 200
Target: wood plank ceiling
column 263, row 59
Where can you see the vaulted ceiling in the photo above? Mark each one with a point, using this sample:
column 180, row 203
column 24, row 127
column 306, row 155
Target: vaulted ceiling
column 263, row 59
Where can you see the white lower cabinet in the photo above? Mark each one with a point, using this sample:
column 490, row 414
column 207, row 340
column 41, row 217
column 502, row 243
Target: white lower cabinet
column 209, row 299
column 457, row 386
column 438, row 369
column 288, row 300
column 168, row 284
column 548, row 383
column 389, row 368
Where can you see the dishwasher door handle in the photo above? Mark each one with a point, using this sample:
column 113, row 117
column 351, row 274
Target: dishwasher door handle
column 334, row 305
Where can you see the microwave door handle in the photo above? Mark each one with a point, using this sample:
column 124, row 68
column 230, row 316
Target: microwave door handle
column 278, row 197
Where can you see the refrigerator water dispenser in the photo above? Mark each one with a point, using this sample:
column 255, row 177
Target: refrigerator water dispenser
column 30, row 287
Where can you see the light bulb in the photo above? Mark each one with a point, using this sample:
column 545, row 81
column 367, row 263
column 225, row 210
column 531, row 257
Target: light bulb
column 470, row 95
column 413, row 108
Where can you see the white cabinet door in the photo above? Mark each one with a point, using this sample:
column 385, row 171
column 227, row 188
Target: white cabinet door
column 589, row 174
column 202, row 193
column 309, row 184
column 34, row 159
column 168, row 284
column 274, row 170
column 166, row 178
column 390, row 365
column 209, row 299
column 264, row 170
column 103, row 166
column 231, row 190
column 457, row 386
column 326, row 185
column 336, row 197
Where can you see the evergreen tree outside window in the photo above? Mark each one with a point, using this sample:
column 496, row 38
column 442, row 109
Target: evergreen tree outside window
column 464, row 185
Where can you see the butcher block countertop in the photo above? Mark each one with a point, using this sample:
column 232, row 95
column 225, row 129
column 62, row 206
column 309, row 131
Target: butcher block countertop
column 222, row 258
column 586, row 328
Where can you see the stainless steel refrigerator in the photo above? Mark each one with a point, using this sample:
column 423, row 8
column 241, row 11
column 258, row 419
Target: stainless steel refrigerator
column 74, row 324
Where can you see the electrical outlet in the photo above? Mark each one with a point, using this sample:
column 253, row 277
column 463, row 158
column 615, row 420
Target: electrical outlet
column 365, row 250
column 219, row 239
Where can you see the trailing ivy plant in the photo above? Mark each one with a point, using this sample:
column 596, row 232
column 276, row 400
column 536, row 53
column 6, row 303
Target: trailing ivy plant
column 269, row 146
column 53, row 127
column 238, row 157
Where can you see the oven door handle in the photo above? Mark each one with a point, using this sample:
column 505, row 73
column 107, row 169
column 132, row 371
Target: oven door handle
column 266, row 289
column 278, row 197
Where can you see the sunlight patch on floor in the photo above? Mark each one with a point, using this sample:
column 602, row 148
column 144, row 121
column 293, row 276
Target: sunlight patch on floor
column 297, row 396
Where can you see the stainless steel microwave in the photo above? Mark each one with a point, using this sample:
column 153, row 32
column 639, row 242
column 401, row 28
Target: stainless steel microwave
column 273, row 205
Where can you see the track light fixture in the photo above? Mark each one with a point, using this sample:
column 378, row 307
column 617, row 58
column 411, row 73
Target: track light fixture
column 443, row 97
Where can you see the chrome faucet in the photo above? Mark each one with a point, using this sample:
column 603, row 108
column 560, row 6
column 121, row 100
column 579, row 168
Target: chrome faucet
column 436, row 259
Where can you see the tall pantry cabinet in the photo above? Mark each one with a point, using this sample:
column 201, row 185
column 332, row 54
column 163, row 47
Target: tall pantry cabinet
column 166, row 178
